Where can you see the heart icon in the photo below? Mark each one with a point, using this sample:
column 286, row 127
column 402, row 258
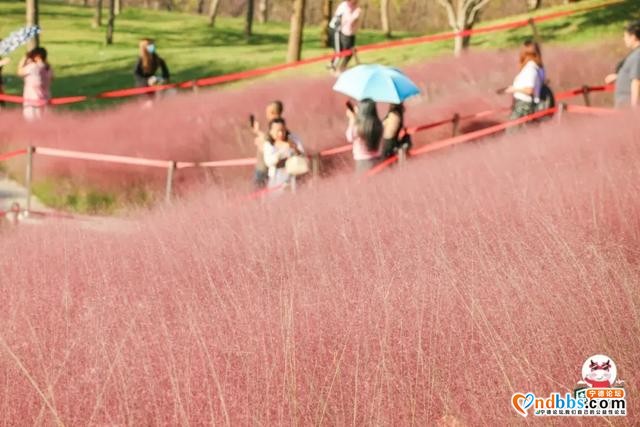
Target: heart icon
column 522, row 402
column 528, row 401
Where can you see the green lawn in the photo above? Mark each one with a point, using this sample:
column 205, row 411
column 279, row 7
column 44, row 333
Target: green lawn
column 85, row 65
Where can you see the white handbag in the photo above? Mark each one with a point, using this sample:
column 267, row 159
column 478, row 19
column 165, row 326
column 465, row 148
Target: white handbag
column 297, row 165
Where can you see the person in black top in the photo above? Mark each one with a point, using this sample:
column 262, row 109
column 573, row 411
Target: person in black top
column 148, row 64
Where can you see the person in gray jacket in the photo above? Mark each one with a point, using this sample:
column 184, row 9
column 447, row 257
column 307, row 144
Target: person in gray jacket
column 627, row 75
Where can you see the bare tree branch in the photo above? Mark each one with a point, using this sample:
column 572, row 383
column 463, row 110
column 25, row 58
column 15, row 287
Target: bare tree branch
column 471, row 17
column 448, row 5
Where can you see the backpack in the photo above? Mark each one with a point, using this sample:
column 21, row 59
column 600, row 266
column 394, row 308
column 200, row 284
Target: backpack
column 547, row 99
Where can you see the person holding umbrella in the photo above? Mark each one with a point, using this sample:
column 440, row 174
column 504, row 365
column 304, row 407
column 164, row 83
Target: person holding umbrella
column 11, row 43
column 364, row 132
column 371, row 84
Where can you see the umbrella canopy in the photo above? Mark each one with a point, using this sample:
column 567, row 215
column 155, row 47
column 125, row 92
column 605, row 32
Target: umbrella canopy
column 18, row 38
column 377, row 82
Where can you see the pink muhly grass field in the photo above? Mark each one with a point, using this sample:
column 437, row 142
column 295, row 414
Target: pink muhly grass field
column 425, row 295
column 214, row 124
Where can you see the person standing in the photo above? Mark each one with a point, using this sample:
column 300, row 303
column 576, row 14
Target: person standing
column 278, row 148
column 274, row 110
column 346, row 19
column 527, row 85
column 3, row 62
column 393, row 125
column 37, row 75
column 627, row 75
column 148, row 63
column 364, row 132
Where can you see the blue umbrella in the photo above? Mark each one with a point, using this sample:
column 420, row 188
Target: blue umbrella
column 18, row 38
column 376, row 82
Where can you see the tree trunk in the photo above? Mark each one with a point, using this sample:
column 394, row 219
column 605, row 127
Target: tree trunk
column 118, row 7
column 200, row 8
column 263, row 11
column 327, row 13
column 534, row 4
column 295, row 34
column 32, row 19
column 384, row 18
column 248, row 22
column 213, row 12
column 111, row 22
column 97, row 14
column 462, row 18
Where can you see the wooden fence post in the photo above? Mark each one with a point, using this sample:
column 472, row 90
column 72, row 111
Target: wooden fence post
column 315, row 166
column 456, row 123
column 562, row 107
column 585, row 95
column 29, row 177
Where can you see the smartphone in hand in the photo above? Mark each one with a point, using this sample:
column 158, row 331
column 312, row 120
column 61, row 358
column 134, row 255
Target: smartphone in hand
column 350, row 106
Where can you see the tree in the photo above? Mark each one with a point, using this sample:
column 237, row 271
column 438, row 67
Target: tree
column 213, row 12
column 33, row 19
column 327, row 12
column 200, row 7
column 118, row 7
column 248, row 22
column 263, row 11
column 97, row 14
column 384, row 18
column 534, row 4
column 111, row 21
column 462, row 17
column 295, row 33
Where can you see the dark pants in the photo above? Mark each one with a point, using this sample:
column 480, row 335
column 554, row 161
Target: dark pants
column 260, row 178
column 340, row 44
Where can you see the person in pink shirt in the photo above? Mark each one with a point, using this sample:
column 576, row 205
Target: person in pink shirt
column 364, row 132
column 345, row 26
column 37, row 75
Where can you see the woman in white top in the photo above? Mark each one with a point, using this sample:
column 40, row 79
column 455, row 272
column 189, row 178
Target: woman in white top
column 277, row 149
column 528, row 83
column 346, row 19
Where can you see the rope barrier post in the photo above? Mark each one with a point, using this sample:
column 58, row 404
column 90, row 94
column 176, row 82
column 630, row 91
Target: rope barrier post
column 456, row 123
column 355, row 55
column 293, row 184
column 315, row 166
column 585, row 95
column 29, row 178
column 196, row 89
column 170, row 171
column 534, row 30
column 562, row 107
column 402, row 155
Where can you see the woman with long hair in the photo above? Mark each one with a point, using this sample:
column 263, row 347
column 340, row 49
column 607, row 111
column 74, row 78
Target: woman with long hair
column 527, row 85
column 364, row 132
column 148, row 63
column 37, row 75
